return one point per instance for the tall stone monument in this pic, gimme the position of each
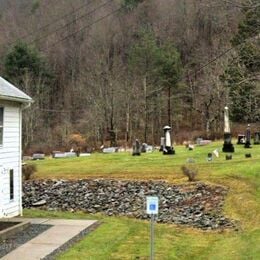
(248, 137)
(228, 146)
(168, 148)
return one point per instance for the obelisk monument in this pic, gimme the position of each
(228, 146)
(168, 148)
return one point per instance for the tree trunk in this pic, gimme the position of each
(145, 110)
(127, 125)
(169, 107)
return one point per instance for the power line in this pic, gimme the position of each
(157, 90)
(112, 13)
(117, 10)
(223, 54)
(194, 72)
(53, 22)
(85, 27)
(67, 24)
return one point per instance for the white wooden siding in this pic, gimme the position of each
(10, 158)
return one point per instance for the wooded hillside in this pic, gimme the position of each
(116, 70)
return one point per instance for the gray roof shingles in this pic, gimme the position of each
(10, 92)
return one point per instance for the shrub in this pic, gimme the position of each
(28, 171)
(77, 142)
(190, 172)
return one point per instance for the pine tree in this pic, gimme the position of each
(243, 72)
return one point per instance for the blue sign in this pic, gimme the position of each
(152, 205)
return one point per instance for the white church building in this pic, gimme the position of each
(12, 102)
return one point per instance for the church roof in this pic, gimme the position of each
(10, 92)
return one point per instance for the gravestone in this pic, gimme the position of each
(229, 157)
(257, 138)
(210, 157)
(149, 148)
(248, 137)
(84, 154)
(136, 148)
(38, 156)
(190, 147)
(70, 154)
(198, 140)
(110, 150)
(58, 154)
(241, 139)
(162, 145)
(202, 142)
(168, 149)
(216, 153)
(144, 147)
(228, 146)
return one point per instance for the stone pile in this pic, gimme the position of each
(198, 205)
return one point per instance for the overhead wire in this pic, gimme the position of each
(193, 73)
(223, 53)
(73, 21)
(53, 22)
(114, 12)
(85, 27)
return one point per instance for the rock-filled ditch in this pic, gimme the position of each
(198, 205)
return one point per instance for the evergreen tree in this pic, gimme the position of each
(242, 74)
(159, 67)
(28, 70)
(169, 72)
(131, 4)
(24, 60)
(143, 59)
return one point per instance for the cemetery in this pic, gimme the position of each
(130, 130)
(199, 185)
(111, 188)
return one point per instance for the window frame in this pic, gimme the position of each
(11, 184)
(2, 126)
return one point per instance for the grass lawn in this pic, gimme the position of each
(123, 238)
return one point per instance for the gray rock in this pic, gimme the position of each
(39, 203)
(127, 198)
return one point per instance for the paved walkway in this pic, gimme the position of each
(63, 230)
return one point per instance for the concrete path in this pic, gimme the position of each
(63, 230)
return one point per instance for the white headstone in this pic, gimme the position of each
(168, 142)
(216, 153)
(226, 121)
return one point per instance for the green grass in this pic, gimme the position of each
(122, 238)
(151, 165)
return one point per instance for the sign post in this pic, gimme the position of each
(152, 209)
